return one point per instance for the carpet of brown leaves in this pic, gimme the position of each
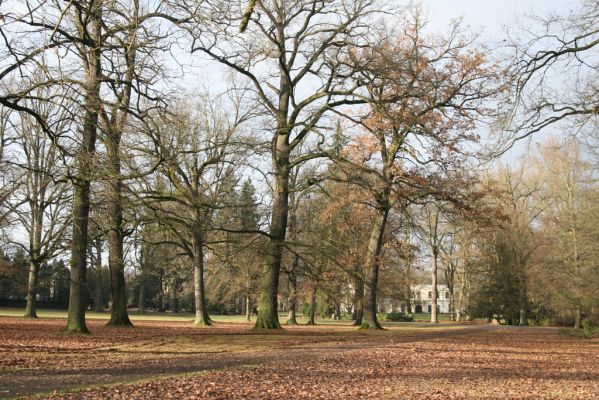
(175, 360)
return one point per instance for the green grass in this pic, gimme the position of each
(149, 316)
(188, 317)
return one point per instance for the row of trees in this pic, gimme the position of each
(100, 145)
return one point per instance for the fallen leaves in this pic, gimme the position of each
(325, 363)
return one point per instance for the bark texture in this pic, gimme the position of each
(375, 244)
(81, 182)
(201, 312)
(312, 316)
(99, 292)
(358, 301)
(268, 317)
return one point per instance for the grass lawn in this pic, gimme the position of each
(182, 317)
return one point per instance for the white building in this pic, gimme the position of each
(422, 298)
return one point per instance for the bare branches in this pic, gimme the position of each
(555, 74)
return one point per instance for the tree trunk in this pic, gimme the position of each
(463, 288)
(118, 313)
(37, 214)
(201, 314)
(248, 308)
(99, 292)
(523, 318)
(292, 320)
(312, 316)
(30, 309)
(434, 318)
(449, 275)
(77, 291)
(268, 317)
(577, 316)
(81, 182)
(116, 126)
(358, 301)
(116, 265)
(337, 312)
(174, 299)
(141, 299)
(375, 244)
(161, 292)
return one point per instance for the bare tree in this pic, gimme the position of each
(41, 202)
(568, 198)
(90, 48)
(427, 95)
(294, 54)
(7, 182)
(432, 214)
(199, 152)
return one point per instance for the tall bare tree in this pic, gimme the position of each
(294, 55)
(199, 151)
(42, 200)
(569, 201)
(427, 95)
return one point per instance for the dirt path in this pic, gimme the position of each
(29, 382)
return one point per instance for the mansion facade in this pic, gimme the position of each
(421, 300)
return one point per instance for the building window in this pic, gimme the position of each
(446, 295)
(430, 295)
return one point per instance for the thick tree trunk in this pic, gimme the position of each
(268, 317)
(35, 255)
(375, 244)
(81, 182)
(118, 314)
(201, 315)
(30, 309)
(116, 265)
(312, 316)
(358, 301)
(99, 292)
(78, 289)
(434, 318)
(292, 319)
(116, 126)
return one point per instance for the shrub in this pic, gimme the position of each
(588, 329)
(399, 317)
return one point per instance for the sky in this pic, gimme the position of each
(490, 17)
(492, 20)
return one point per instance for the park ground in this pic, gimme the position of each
(166, 357)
